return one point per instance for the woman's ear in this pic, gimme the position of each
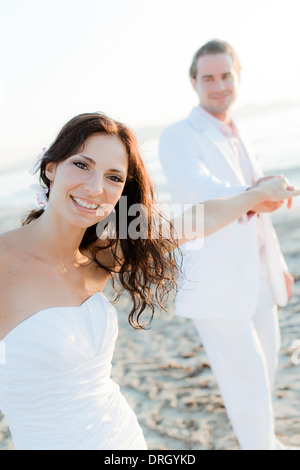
(50, 171)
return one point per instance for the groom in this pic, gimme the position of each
(234, 284)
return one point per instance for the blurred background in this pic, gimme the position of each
(130, 60)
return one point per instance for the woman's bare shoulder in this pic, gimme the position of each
(7, 237)
(4, 241)
(4, 253)
(7, 242)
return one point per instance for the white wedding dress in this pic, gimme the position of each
(55, 387)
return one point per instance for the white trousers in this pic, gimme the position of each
(244, 356)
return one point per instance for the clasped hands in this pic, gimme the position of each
(270, 206)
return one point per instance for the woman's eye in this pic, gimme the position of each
(116, 179)
(81, 165)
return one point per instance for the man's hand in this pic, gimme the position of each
(289, 281)
(270, 206)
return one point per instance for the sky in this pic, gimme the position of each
(130, 60)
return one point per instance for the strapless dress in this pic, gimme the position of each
(56, 390)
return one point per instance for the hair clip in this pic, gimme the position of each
(41, 194)
(35, 167)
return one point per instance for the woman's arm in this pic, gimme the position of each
(217, 213)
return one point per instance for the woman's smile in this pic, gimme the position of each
(84, 205)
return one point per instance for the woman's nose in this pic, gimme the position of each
(94, 185)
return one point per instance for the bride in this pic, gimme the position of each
(57, 327)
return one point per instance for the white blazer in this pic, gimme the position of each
(221, 280)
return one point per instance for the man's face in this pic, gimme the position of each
(216, 83)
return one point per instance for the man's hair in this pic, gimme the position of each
(214, 47)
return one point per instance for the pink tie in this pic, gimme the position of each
(229, 131)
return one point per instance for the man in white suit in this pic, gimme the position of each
(233, 285)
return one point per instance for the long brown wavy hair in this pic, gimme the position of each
(149, 270)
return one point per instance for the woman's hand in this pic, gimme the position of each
(276, 189)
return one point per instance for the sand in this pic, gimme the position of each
(165, 374)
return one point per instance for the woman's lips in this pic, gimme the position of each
(103, 210)
(84, 209)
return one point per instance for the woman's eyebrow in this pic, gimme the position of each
(88, 158)
(113, 170)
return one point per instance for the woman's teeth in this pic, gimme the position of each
(85, 204)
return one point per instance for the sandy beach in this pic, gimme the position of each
(165, 374)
